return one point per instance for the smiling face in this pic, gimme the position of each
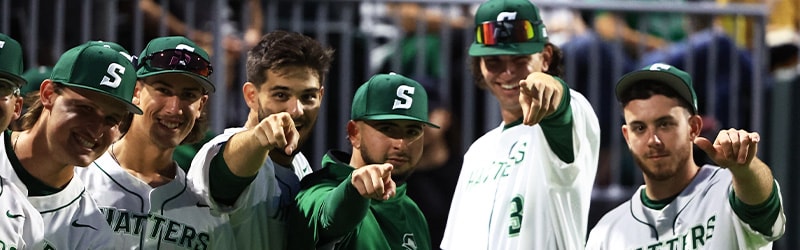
(659, 132)
(397, 142)
(79, 123)
(295, 90)
(502, 74)
(171, 103)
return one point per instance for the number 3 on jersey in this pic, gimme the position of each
(516, 216)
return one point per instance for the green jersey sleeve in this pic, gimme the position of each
(557, 127)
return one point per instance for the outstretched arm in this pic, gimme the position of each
(736, 150)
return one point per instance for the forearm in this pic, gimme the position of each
(557, 127)
(753, 185)
(342, 210)
(244, 155)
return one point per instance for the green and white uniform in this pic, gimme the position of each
(72, 218)
(705, 215)
(258, 216)
(517, 191)
(333, 212)
(171, 216)
(22, 226)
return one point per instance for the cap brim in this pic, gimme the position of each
(14, 78)
(198, 78)
(527, 48)
(386, 117)
(128, 104)
(671, 80)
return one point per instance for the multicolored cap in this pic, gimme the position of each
(99, 69)
(508, 27)
(11, 61)
(667, 74)
(35, 76)
(194, 64)
(391, 97)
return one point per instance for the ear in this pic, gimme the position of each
(250, 94)
(696, 126)
(47, 94)
(137, 92)
(203, 102)
(17, 108)
(354, 134)
(547, 56)
(321, 93)
(625, 133)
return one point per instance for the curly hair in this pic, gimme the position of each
(551, 52)
(281, 49)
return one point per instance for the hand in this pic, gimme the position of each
(732, 149)
(374, 181)
(277, 131)
(539, 95)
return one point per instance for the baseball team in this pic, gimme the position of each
(87, 155)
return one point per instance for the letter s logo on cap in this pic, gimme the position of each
(403, 92)
(660, 67)
(113, 78)
(185, 47)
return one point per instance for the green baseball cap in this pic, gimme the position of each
(673, 77)
(508, 27)
(99, 69)
(10, 61)
(161, 44)
(35, 76)
(373, 100)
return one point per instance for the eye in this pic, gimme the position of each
(190, 95)
(281, 96)
(413, 132)
(309, 98)
(112, 121)
(165, 91)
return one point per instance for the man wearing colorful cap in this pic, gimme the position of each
(252, 173)
(136, 183)
(359, 201)
(24, 228)
(526, 184)
(72, 123)
(736, 205)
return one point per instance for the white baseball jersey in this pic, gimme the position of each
(515, 193)
(259, 215)
(22, 226)
(171, 216)
(71, 218)
(700, 217)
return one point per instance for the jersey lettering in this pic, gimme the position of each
(516, 216)
(404, 92)
(695, 238)
(408, 242)
(500, 169)
(156, 228)
(113, 75)
(4, 246)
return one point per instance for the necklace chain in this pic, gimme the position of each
(15, 141)
(114, 156)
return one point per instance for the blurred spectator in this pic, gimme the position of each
(30, 91)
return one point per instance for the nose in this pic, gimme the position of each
(654, 140)
(172, 105)
(295, 108)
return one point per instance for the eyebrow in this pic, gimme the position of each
(170, 85)
(284, 88)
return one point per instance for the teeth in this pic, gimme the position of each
(509, 86)
(171, 125)
(85, 143)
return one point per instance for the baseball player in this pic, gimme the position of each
(359, 201)
(736, 205)
(256, 169)
(143, 193)
(526, 184)
(86, 97)
(22, 226)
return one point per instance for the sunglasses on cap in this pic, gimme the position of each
(176, 59)
(510, 31)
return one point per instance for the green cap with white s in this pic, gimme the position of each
(100, 69)
(391, 97)
(676, 79)
(10, 61)
(176, 55)
(508, 27)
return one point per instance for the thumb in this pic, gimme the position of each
(705, 145)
